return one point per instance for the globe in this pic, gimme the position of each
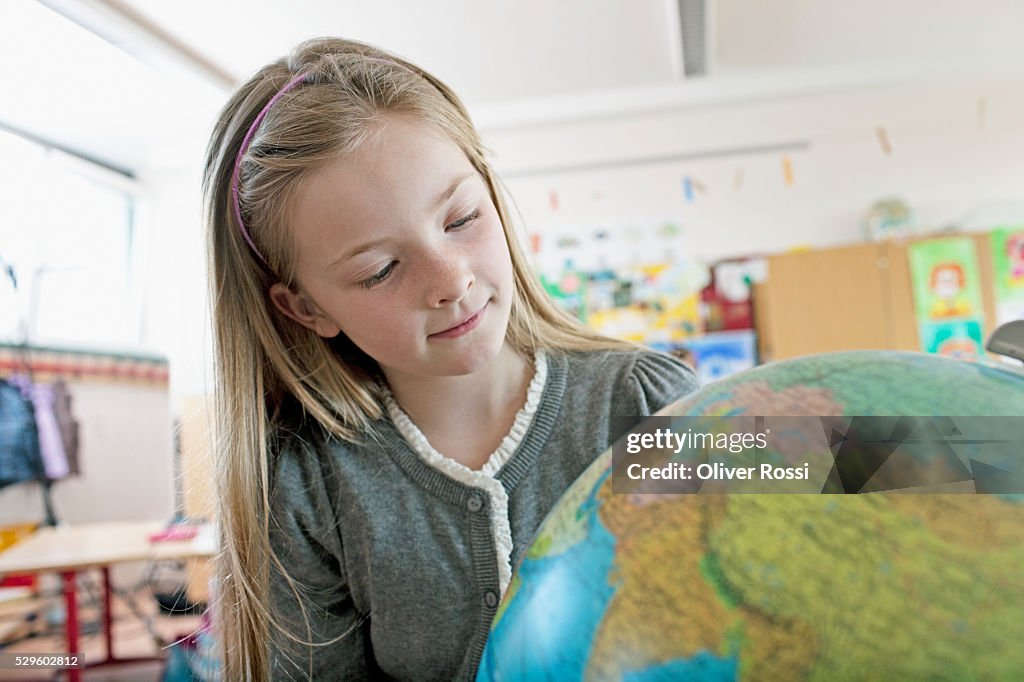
(624, 586)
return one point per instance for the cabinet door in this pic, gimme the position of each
(822, 301)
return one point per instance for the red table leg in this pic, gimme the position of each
(108, 630)
(72, 627)
(108, 616)
(71, 621)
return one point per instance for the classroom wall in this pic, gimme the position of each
(126, 459)
(957, 158)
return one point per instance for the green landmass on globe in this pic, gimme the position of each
(640, 586)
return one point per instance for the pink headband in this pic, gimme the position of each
(238, 163)
(297, 80)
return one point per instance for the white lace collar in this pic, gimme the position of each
(483, 479)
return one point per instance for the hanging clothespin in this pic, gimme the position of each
(883, 140)
(787, 170)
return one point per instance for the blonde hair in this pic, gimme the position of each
(266, 362)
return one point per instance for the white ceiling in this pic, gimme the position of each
(488, 50)
(537, 57)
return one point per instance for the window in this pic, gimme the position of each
(66, 230)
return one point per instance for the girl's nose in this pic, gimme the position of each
(449, 279)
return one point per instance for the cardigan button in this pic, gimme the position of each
(475, 504)
(490, 599)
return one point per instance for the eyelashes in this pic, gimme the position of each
(378, 277)
(462, 222)
(385, 272)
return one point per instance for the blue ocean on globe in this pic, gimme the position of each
(562, 605)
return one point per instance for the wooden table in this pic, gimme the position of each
(73, 548)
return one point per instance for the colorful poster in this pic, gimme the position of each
(726, 298)
(947, 296)
(646, 304)
(961, 339)
(568, 291)
(946, 282)
(722, 354)
(1008, 271)
(633, 281)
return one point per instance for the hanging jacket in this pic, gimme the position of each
(20, 459)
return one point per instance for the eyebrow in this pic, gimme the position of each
(372, 244)
(447, 194)
(362, 248)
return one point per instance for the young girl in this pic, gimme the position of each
(399, 404)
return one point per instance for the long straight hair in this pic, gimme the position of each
(265, 361)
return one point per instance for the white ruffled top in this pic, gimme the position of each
(484, 479)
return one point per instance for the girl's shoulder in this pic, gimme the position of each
(638, 380)
(307, 452)
(641, 363)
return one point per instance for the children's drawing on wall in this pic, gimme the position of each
(653, 304)
(960, 339)
(721, 354)
(947, 296)
(639, 281)
(633, 281)
(727, 300)
(947, 284)
(1015, 255)
(730, 343)
(1008, 268)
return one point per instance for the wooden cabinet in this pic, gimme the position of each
(848, 298)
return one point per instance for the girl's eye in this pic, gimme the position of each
(463, 222)
(379, 277)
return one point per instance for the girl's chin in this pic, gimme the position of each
(472, 361)
(463, 360)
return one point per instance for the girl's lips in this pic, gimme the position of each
(462, 328)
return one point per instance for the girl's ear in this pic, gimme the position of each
(301, 308)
